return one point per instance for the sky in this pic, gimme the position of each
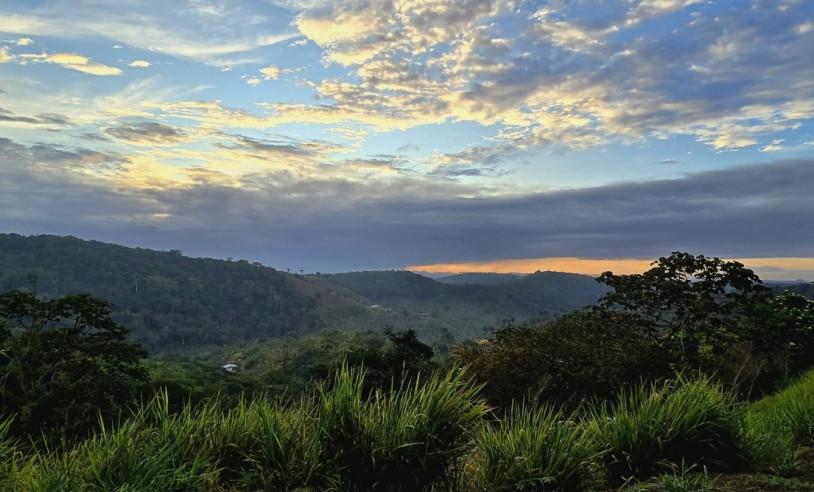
(433, 135)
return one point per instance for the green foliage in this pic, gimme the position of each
(578, 357)
(690, 300)
(686, 479)
(785, 332)
(532, 449)
(406, 440)
(64, 364)
(431, 434)
(167, 300)
(652, 428)
(190, 383)
(788, 415)
(404, 358)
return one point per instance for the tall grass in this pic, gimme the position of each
(409, 439)
(779, 424)
(653, 428)
(287, 451)
(424, 434)
(531, 449)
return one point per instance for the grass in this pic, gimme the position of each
(408, 439)
(434, 433)
(653, 428)
(532, 449)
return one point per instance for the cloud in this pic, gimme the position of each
(5, 57)
(776, 145)
(40, 119)
(320, 221)
(24, 41)
(147, 133)
(73, 61)
(561, 79)
(270, 72)
(253, 81)
(191, 32)
(139, 64)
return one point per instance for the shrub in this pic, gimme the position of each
(654, 428)
(407, 440)
(531, 449)
(581, 356)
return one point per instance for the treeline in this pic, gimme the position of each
(171, 302)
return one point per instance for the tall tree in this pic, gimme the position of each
(689, 300)
(64, 363)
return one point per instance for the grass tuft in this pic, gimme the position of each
(532, 449)
(654, 428)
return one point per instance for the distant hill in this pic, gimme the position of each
(170, 301)
(805, 289)
(539, 294)
(479, 278)
(165, 299)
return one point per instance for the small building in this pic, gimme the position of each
(229, 367)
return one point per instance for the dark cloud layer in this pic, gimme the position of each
(40, 119)
(331, 225)
(147, 133)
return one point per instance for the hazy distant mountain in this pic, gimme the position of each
(538, 294)
(479, 278)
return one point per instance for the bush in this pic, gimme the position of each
(407, 440)
(531, 449)
(655, 428)
(581, 356)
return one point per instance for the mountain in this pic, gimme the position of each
(170, 301)
(539, 294)
(479, 278)
(163, 297)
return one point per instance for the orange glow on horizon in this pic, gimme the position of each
(594, 266)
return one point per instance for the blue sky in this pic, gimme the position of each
(440, 135)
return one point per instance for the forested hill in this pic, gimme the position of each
(170, 301)
(164, 298)
(479, 278)
(539, 294)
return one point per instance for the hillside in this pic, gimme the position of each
(479, 278)
(170, 301)
(165, 299)
(538, 294)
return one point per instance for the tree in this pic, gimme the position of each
(583, 355)
(784, 333)
(64, 363)
(689, 300)
(405, 357)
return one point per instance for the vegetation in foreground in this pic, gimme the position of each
(431, 434)
(648, 389)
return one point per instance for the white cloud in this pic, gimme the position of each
(253, 81)
(270, 72)
(139, 64)
(804, 28)
(73, 61)
(149, 25)
(776, 145)
(24, 41)
(5, 57)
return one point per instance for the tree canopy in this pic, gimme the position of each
(64, 363)
(689, 300)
